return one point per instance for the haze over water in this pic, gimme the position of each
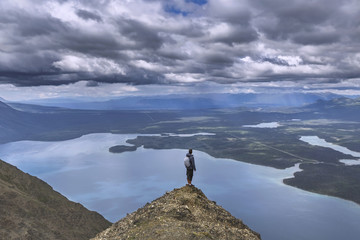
(85, 171)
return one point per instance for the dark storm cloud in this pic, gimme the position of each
(300, 21)
(172, 55)
(38, 78)
(238, 35)
(276, 61)
(26, 25)
(92, 83)
(89, 43)
(217, 59)
(316, 38)
(88, 15)
(142, 35)
(134, 77)
(57, 42)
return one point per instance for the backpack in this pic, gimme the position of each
(187, 162)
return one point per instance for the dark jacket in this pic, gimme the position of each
(192, 161)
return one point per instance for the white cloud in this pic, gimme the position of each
(150, 66)
(224, 41)
(291, 60)
(89, 64)
(220, 30)
(184, 78)
(341, 92)
(75, 90)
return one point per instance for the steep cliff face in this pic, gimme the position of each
(31, 209)
(183, 213)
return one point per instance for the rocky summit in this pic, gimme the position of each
(31, 209)
(184, 213)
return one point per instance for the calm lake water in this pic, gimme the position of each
(264, 125)
(85, 171)
(316, 141)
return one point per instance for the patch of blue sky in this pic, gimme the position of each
(174, 10)
(198, 2)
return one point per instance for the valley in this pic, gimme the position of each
(278, 147)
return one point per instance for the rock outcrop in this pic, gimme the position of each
(183, 213)
(31, 209)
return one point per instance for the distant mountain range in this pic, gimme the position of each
(338, 108)
(190, 101)
(23, 121)
(13, 123)
(341, 102)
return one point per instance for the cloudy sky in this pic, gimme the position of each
(67, 48)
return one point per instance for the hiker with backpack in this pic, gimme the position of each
(189, 162)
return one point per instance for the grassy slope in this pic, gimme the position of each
(31, 209)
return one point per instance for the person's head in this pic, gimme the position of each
(190, 151)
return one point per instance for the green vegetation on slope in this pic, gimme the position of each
(332, 180)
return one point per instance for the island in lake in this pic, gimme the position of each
(122, 148)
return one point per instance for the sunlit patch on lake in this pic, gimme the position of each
(316, 141)
(187, 135)
(350, 162)
(264, 125)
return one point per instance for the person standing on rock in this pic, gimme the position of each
(189, 162)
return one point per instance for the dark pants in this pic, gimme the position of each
(189, 174)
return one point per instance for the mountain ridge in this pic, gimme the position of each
(189, 101)
(31, 209)
(184, 213)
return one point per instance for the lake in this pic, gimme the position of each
(264, 125)
(316, 141)
(85, 171)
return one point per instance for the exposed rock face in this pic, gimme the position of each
(183, 213)
(31, 209)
